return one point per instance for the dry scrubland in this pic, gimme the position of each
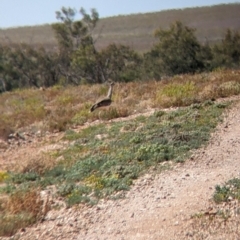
(91, 156)
(160, 122)
(59, 108)
(137, 30)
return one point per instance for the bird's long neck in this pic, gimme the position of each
(110, 92)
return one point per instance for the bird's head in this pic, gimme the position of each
(111, 83)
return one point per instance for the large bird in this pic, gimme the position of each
(105, 101)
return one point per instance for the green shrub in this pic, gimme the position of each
(230, 189)
(177, 94)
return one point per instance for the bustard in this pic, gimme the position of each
(105, 101)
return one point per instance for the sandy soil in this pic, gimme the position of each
(158, 206)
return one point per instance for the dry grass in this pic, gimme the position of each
(37, 165)
(22, 208)
(24, 201)
(59, 108)
(21, 108)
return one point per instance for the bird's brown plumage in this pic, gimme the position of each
(105, 101)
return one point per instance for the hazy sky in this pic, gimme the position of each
(34, 12)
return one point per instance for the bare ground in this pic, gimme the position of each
(158, 206)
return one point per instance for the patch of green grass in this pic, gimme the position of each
(177, 94)
(86, 133)
(102, 161)
(24, 177)
(100, 149)
(78, 196)
(229, 189)
(111, 164)
(7, 188)
(3, 176)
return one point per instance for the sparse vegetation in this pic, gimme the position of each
(22, 208)
(177, 94)
(229, 191)
(59, 108)
(3, 176)
(102, 161)
(223, 214)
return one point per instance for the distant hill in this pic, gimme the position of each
(137, 30)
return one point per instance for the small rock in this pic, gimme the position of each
(3, 144)
(230, 198)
